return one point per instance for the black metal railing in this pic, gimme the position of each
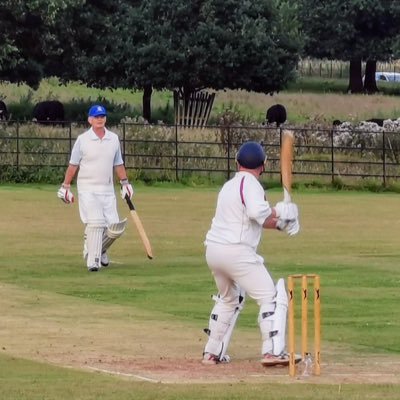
(172, 152)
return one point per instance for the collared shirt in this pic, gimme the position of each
(96, 159)
(240, 213)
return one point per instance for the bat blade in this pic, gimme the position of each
(286, 163)
(139, 227)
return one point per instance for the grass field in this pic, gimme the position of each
(134, 330)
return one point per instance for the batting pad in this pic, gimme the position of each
(273, 323)
(94, 244)
(113, 232)
(228, 333)
(219, 323)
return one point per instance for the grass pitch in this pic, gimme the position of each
(134, 330)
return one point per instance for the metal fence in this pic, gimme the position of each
(164, 152)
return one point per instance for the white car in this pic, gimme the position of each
(387, 76)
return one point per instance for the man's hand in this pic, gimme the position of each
(126, 188)
(281, 224)
(286, 211)
(65, 194)
(293, 227)
(288, 217)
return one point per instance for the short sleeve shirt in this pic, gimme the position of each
(96, 159)
(241, 211)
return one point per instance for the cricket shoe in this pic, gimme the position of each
(225, 359)
(93, 268)
(212, 359)
(270, 360)
(104, 260)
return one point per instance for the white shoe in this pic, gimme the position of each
(269, 360)
(210, 359)
(104, 259)
(93, 268)
(225, 359)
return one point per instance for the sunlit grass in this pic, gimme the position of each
(140, 308)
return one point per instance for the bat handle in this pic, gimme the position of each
(286, 196)
(129, 202)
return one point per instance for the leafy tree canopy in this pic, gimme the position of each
(26, 29)
(189, 44)
(348, 29)
(162, 44)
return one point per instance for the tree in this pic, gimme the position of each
(351, 30)
(188, 45)
(232, 44)
(174, 44)
(27, 37)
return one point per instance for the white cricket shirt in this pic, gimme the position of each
(96, 159)
(240, 213)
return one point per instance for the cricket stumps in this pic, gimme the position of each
(304, 321)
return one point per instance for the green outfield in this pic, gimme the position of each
(134, 329)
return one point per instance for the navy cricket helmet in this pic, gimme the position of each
(251, 155)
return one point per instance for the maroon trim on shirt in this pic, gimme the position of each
(241, 191)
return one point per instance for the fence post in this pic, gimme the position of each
(124, 141)
(280, 152)
(229, 152)
(384, 158)
(176, 151)
(17, 145)
(332, 160)
(70, 137)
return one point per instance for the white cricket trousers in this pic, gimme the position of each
(238, 265)
(98, 208)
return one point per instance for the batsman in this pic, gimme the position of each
(96, 156)
(241, 214)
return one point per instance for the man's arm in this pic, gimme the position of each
(126, 187)
(284, 216)
(271, 221)
(70, 174)
(121, 172)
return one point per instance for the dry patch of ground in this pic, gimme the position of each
(135, 344)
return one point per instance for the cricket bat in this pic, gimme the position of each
(286, 163)
(139, 227)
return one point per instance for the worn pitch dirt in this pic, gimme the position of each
(134, 344)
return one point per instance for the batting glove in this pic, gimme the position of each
(65, 194)
(293, 227)
(126, 188)
(286, 211)
(281, 224)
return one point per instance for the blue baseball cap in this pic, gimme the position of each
(97, 110)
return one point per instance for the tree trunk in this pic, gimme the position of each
(147, 91)
(355, 79)
(369, 81)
